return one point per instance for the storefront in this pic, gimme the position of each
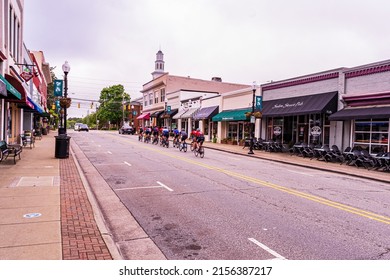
(204, 118)
(168, 120)
(12, 116)
(234, 124)
(370, 126)
(156, 120)
(303, 119)
(144, 120)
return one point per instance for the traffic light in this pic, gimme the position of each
(53, 106)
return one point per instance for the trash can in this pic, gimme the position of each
(62, 146)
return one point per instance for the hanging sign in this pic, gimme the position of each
(58, 87)
(27, 75)
(259, 103)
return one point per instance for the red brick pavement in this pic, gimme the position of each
(81, 238)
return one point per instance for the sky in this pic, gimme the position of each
(115, 42)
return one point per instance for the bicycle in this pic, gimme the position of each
(176, 143)
(147, 139)
(192, 146)
(155, 140)
(165, 142)
(183, 146)
(199, 151)
(140, 137)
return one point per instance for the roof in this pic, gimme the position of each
(176, 83)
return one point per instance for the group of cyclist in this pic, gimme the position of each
(179, 136)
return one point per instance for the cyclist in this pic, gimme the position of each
(147, 134)
(183, 144)
(199, 139)
(141, 132)
(155, 135)
(165, 135)
(183, 135)
(176, 133)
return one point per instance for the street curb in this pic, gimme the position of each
(129, 241)
(114, 251)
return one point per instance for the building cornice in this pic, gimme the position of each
(367, 70)
(301, 81)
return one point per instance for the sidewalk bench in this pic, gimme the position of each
(9, 150)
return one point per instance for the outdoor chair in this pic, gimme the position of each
(27, 139)
(334, 155)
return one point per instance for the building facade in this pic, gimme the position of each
(166, 95)
(24, 76)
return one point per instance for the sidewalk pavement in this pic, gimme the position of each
(48, 211)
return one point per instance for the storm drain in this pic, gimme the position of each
(39, 181)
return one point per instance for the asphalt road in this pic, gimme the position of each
(230, 207)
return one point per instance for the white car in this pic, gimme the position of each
(77, 126)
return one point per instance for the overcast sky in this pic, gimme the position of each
(241, 41)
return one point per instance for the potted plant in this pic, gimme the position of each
(65, 102)
(224, 141)
(215, 139)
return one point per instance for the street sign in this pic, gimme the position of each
(58, 87)
(259, 103)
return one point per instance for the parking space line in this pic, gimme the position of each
(269, 250)
(160, 185)
(164, 186)
(129, 164)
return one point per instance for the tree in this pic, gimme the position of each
(112, 100)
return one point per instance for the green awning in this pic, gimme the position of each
(11, 89)
(232, 115)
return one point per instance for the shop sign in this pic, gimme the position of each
(277, 130)
(287, 105)
(26, 75)
(315, 131)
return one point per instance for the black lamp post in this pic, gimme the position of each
(252, 120)
(66, 69)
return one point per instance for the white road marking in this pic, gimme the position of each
(129, 164)
(302, 173)
(269, 250)
(164, 186)
(108, 152)
(160, 185)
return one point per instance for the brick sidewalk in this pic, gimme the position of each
(81, 238)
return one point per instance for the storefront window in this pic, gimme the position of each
(372, 135)
(206, 127)
(232, 130)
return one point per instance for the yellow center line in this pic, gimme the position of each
(314, 198)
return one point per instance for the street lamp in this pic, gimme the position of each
(66, 69)
(253, 120)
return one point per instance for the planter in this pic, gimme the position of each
(65, 102)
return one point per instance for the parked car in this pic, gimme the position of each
(83, 127)
(77, 126)
(126, 130)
